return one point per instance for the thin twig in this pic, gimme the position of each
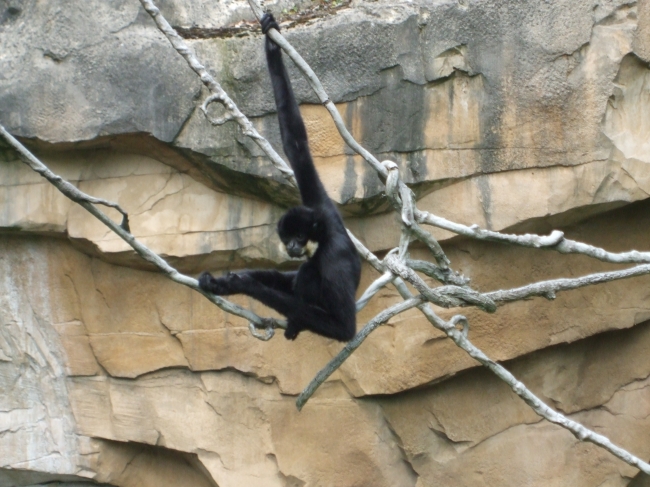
(373, 289)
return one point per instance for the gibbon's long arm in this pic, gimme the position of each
(292, 128)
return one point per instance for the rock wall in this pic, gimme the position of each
(518, 115)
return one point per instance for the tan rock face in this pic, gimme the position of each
(526, 117)
(470, 418)
(246, 428)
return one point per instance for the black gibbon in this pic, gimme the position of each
(320, 295)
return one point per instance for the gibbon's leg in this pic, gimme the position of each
(281, 281)
(300, 315)
(317, 321)
(223, 286)
(274, 289)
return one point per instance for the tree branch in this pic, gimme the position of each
(218, 93)
(542, 409)
(548, 289)
(352, 345)
(87, 202)
(443, 296)
(555, 241)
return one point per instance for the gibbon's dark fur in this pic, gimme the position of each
(320, 296)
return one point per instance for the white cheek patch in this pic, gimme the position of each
(311, 247)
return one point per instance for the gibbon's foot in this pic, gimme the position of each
(269, 22)
(218, 287)
(238, 283)
(291, 333)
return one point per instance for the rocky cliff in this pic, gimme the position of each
(510, 114)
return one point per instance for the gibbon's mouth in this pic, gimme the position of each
(296, 252)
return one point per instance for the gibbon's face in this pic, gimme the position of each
(296, 230)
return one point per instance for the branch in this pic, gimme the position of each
(542, 409)
(403, 200)
(373, 289)
(548, 289)
(218, 93)
(87, 202)
(444, 276)
(460, 339)
(444, 296)
(352, 345)
(61, 184)
(554, 241)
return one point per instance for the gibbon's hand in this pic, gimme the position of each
(269, 22)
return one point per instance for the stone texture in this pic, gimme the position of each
(525, 116)
(239, 427)
(479, 433)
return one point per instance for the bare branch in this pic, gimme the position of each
(554, 241)
(461, 340)
(444, 296)
(215, 88)
(61, 184)
(548, 289)
(87, 202)
(373, 289)
(446, 276)
(403, 200)
(351, 346)
(579, 431)
(377, 264)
